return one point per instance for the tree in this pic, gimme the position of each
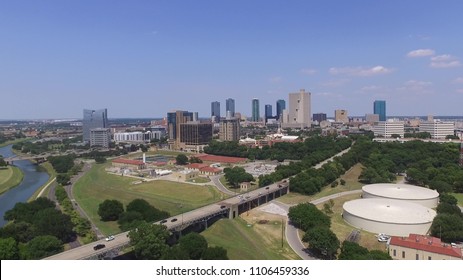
(353, 251)
(194, 244)
(41, 247)
(307, 216)
(195, 160)
(52, 222)
(63, 179)
(2, 162)
(215, 253)
(322, 241)
(21, 231)
(149, 212)
(109, 210)
(448, 227)
(8, 249)
(149, 241)
(176, 253)
(236, 175)
(129, 220)
(181, 159)
(100, 159)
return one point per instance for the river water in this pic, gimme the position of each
(34, 178)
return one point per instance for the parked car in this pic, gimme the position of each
(174, 220)
(163, 221)
(99, 246)
(110, 237)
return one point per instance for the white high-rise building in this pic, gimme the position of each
(438, 129)
(298, 113)
(389, 128)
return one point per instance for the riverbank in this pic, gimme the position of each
(10, 177)
(12, 142)
(46, 166)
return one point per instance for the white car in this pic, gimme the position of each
(109, 238)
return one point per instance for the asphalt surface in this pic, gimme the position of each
(216, 180)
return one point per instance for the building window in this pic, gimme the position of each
(429, 258)
(394, 253)
(417, 257)
(403, 254)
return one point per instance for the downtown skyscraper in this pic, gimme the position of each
(379, 108)
(230, 107)
(281, 105)
(255, 110)
(215, 111)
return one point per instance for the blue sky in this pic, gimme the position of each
(145, 58)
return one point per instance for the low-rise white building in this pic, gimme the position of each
(100, 137)
(438, 129)
(137, 136)
(389, 128)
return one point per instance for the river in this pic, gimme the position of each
(34, 178)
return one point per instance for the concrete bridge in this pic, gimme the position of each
(37, 159)
(195, 220)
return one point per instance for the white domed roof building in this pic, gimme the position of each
(392, 217)
(403, 192)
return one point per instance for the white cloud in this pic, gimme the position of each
(421, 53)
(417, 87)
(360, 71)
(458, 80)
(444, 61)
(308, 71)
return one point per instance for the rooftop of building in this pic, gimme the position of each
(426, 243)
(222, 159)
(400, 191)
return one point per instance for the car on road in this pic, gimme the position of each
(163, 221)
(383, 237)
(174, 220)
(99, 246)
(110, 237)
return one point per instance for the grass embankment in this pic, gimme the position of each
(173, 197)
(52, 173)
(199, 180)
(10, 142)
(10, 177)
(459, 197)
(252, 242)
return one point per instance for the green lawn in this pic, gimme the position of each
(459, 197)
(10, 177)
(200, 180)
(173, 197)
(243, 242)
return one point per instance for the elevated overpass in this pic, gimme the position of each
(198, 219)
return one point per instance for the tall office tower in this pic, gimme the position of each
(215, 111)
(195, 134)
(174, 120)
(379, 108)
(229, 130)
(93, 119)
(298, 113)
(319, 117)
(255, 110)
(281, 105)
(230, 107)
(268, 112)
(341, 116)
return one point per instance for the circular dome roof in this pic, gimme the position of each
(389, 211)
(400, 191)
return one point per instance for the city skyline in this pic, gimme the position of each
(148, 59)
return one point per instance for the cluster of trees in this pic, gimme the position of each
(65, 167)
(39, 147)
(182, 159)
(237, 175)
(2, 162)
(314, 149)
(448, 223)
(17, 135)
(36, 230)
(137, 212)
(425, 164)
(322, 241)
(150, 242)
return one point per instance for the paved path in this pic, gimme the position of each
(220, 186)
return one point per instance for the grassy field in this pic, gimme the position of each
(352, 183)
(10, 177)
(173, 197)
(200, 180)
(459, 197)
(249, 241)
